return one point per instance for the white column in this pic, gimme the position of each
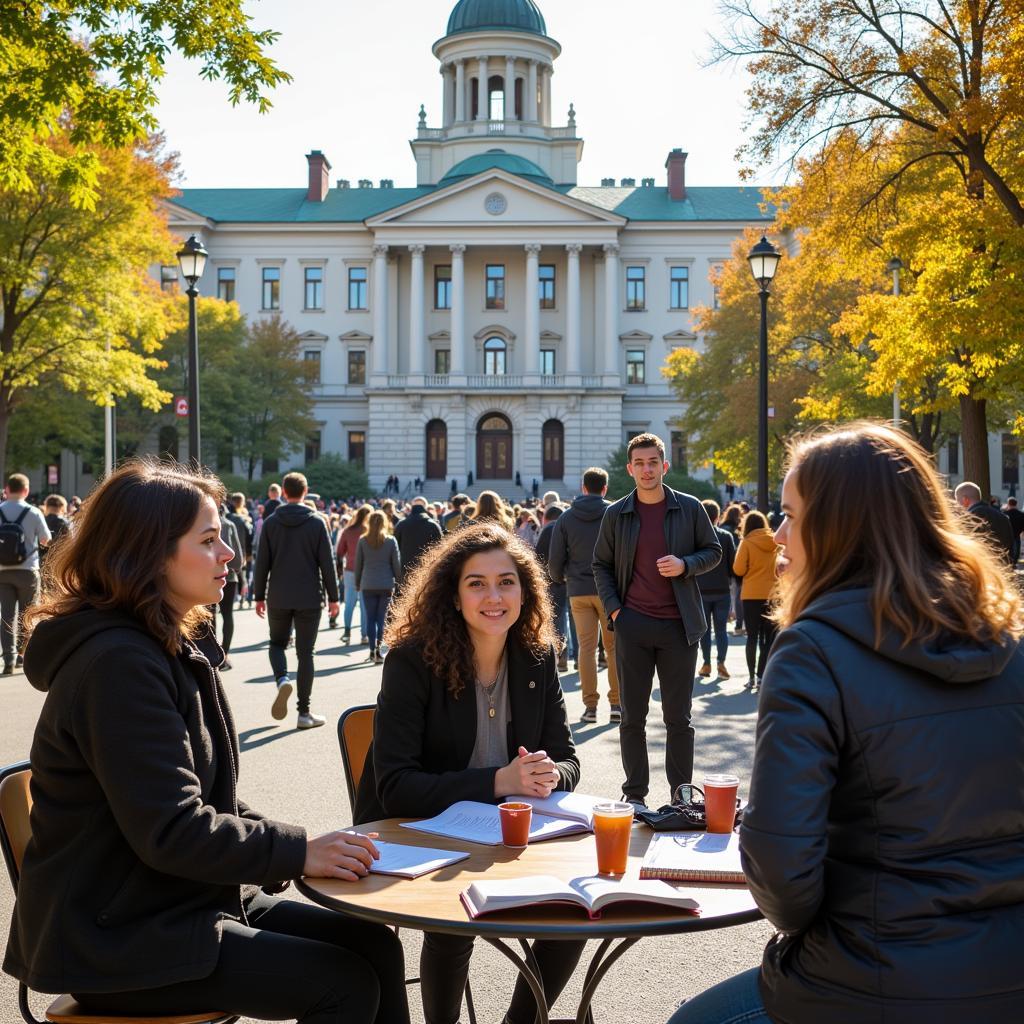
(446, 95)
(510, 89)
(545, 94)
(380, 309)
(460, 90)
(482, 104)
(417, 323)
(531, 93)
(458, 327)
(531, 347)
(611, 309)
(572, 310)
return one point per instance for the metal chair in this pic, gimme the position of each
(15, 832)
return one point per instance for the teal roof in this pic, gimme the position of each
(481, 15)
(496, 158)
(702, 202)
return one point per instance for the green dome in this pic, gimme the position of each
(496, 158)
(480, 15)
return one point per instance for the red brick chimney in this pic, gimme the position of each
(319, 177)
(676, 164)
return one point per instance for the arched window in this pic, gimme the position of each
(495, 357)
(494, 448)
(553, 438)
(496, 98)
(437, 450)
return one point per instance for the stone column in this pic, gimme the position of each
(572, 311)
(611, 309)
(417, 323)
(545, 94)
(531, 345)
(446, 96)
(380, 309)
(531, 93)
(482, 105)
(458, 321)
(510, 89)
(460, 90)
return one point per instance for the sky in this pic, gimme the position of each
(636, 72)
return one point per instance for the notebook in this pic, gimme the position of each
(411, 861)
(693, 857)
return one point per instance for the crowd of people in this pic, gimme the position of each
(881, 836)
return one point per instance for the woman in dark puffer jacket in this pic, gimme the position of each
(884, 837)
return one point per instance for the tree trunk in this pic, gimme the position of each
(974, 433)
(5, 429)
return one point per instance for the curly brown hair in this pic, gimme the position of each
(425, 616)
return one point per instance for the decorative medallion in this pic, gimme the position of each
(495, 204)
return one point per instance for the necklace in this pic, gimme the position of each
(488, 689)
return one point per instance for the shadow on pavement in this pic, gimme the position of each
(251, 738)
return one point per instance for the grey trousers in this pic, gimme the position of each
(19, 588)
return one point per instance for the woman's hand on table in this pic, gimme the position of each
(345, 855)
(528, 774)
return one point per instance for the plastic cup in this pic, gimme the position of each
(515, 823)
(720, 802)
(613, 824)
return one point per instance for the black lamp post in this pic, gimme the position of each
(192, 261)
(764, 260)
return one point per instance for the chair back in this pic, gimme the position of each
(15, 806)
(355, 734)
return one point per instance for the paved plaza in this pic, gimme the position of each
(297, 777)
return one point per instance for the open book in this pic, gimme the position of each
(592, 894)
(411, 861)
(693, 857)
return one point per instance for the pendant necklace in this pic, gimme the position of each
(488, 689)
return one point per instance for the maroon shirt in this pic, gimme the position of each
(649, 592)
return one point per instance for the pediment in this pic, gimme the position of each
(178, 215)
(636, 336)
(680, 337)
(550, 336)
(493, 330)
(440, 336)
(356, 336)
(312, 336)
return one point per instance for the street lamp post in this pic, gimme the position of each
(192, 261)
(894, 266)
(764, 260)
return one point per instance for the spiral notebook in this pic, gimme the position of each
(693, 857)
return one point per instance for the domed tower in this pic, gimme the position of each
(496, 61)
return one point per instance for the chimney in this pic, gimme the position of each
(607, 182)
(676, 164)
(319, 177)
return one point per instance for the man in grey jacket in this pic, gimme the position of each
(295, 553)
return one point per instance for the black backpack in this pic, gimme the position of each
(13, 549)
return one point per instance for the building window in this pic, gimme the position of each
(679, 288)
(168, 278)
(716, 291)
(495, 352)
(357, 366)
(314, 288)
(679, 451)
(442, 287)
(312, 446)
(271, 288)
(311, 357)
(358, 288)
(547, 362)
(635, 359)
(636, 288)
(546, 274)
(226, 284)
(495, 286)
(357, 448)
(442, 361)
(953, 455)
(1011, 462)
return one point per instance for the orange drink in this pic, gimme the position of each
(720, 802)
(515, 823)
(613, 824)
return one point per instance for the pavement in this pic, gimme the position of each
(296, 776)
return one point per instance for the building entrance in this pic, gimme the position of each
(494, 448)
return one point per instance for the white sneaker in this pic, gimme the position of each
(279, 709)
(310, 721)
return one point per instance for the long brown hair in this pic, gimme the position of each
(376, 529)
(114, 555)
(425, 615)
(359, 519)
(490, 508)
(876, 515)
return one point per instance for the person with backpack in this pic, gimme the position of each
(55, 513)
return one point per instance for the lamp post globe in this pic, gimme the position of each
(192, 263)
(764, 261)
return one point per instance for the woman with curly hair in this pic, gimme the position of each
(470, 708)
(491, 509)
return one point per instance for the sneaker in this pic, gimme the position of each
(364, 640)
(332, 623)
(563, 663)
(279, 709)
(8, 669)
(615, 715)
(378, 658)
(310, 721)
(723, 672)
(589, 715)
(757, 683)
(346, 637)
(371, 658)
(705, 670)
(739, 631)
(19, 661)
(751, 683)
(225, 665)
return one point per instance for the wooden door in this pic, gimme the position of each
(437, 450)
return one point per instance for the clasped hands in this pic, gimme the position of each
(526, 775)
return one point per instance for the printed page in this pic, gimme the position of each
(481, 823)
(562, 804)
(510, 893)
(412, 861)
(599, 892)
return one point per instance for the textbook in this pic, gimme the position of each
(693, 857)
(411, 861)
(591, 893)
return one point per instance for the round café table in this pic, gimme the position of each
(431, 902)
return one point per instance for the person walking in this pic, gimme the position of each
(273, 502)
(295, 556)
(1016, 517)
(568, 644)
(527, 529)
(715, 597)
(756, 564)
(23, 531)
(378, 570)
(347, 557)
(232, 585)
(414, 534)
(652, 545)
(453, 519)
(55, 510)
(571, 562)
(732, 522)
(239, 515)
(990, 521)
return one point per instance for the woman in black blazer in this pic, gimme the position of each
(470, 708)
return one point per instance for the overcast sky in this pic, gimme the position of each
(635, 70)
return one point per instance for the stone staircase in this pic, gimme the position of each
(440, 490)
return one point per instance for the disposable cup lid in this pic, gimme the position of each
(721, 780)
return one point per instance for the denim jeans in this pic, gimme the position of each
(736, 1001)
(716, 611)
(351, 596)
(564, 626)
(376, 603)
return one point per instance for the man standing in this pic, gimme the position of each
(415, 533)
(716, 598)
(295, 552)
(1016, 517)
(571, 562)
(273, 502)
(453, 520)
(568, 646)
(997, 526)
(23, 531)
(651, 546)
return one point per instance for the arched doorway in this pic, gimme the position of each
(437, 450)
(553, 436)
(494, 448)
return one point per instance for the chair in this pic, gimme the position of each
(15, 832)
(355, 734)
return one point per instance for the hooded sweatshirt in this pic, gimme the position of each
(755, 563)
(572, 545)
(295, 554)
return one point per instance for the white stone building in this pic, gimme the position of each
(499, 319)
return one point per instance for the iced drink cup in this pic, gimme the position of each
(613, 823)
(515, 823)
(720, 802)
